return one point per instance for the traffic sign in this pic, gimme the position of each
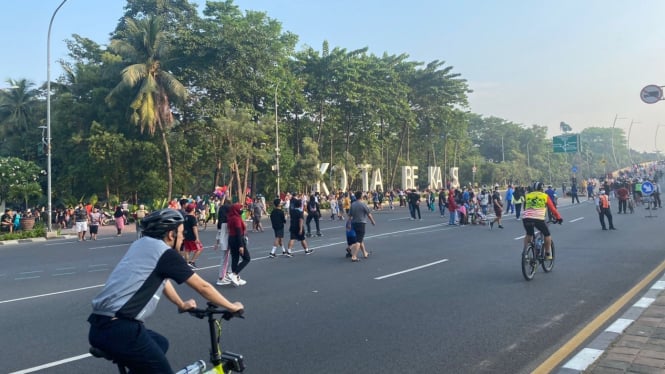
(566, 143)
(647, 188)
(651, 94)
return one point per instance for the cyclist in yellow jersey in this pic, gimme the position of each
(536, 204)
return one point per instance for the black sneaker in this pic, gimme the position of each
(287, 254)
(308, 251)
(193, 265)
(271, 255)
(319, 234)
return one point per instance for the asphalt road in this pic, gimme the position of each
(430, 299)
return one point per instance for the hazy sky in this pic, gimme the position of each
(528, 61)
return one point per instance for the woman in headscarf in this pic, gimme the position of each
(237, 243)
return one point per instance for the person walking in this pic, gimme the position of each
(603, 209)
(192, 246)
(297, 229)
(622, 194)
(360, 213)
(313, 213)
(573, 194)
(95, 221)
(237, 244)
(277, 220)
(518, 201)
(414, 204)
(81, 216)
(498, 208)
(509, 199)
(119, 217)
(222, 241)
(442, 202)
(452, 208)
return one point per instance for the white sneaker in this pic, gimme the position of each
(241, 282)
(235, 280)
(224, 281)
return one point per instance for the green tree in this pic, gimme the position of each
(144, 47)
(19, 108)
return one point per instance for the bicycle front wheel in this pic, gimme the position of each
(548, 265)
(529, 262)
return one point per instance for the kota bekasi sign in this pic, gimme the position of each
(372, 180)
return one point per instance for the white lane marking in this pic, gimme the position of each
(619, 325)
(398, 219)
(660, 285)
(519, 237)
(576, 219)
(61, 274)
(412, 269)
(110, 246)
(52, 364)
(67, 268)
(583, 359)
(24, 278)
(31, 272)
(644, 302)
(50, 294)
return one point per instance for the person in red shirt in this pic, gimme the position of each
(623, 195)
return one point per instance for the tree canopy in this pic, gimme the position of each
(215, 83)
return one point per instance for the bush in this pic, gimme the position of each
(37, 232)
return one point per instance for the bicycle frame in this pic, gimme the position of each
(223, 362)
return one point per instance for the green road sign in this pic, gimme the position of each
(566, 143)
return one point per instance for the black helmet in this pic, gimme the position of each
(537, 186)
(156, 224)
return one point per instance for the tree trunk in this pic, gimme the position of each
(169, 167)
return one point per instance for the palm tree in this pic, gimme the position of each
(18, 106)
(143, 46)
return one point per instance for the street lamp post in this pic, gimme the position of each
(616, 117)
(630, 156)
(48, 117)
(277, 143)
(655, 141)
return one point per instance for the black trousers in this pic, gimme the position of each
(130, 343)
(605, 212)
(315, 217)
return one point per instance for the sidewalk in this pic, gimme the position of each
(634, 343)
(108, 230)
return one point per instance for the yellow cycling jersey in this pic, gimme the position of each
(535, 205)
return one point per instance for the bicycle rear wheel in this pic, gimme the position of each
(529, 262)
(548, 265)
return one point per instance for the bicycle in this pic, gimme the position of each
(534, 255)
(222, 362)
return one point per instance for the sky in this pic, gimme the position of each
(539, 62)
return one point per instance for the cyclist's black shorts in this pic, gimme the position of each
(530, 223)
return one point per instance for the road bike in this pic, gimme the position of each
(223, 362)
(534, 255)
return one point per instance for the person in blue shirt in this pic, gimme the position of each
(510, 207)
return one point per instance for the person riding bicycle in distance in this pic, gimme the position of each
(133, 289)
(536, 204)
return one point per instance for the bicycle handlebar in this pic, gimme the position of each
(213, 309)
